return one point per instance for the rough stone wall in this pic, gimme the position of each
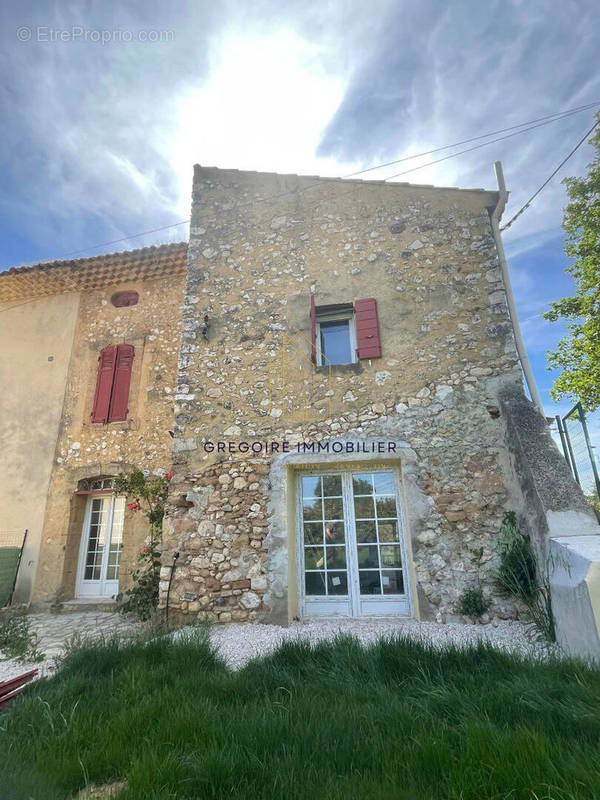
(427, 255)
(85, 449)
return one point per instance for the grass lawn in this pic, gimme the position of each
(335, 720)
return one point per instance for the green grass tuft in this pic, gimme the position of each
(397, 719)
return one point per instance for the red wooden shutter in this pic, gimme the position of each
(104, 382)
(368, 341)
(313, 329)
(119, 402)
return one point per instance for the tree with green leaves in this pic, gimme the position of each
(578, 353)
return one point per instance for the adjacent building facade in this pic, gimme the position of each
(339, 447)
(88, 361)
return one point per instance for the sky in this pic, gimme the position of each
(107, 106)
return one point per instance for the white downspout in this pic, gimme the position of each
(510, 298)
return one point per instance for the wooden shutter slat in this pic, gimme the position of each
(313, 329)
(368, 339)
(104, 382)
(119, 403)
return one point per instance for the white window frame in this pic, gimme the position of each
(84, 588)
(354, 605)
(340, 316)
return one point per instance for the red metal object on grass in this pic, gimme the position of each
(12, 687)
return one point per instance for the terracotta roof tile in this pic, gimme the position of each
(84, 274)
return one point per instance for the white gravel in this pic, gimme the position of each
(237, 644)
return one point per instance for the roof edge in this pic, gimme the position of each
(359, 181)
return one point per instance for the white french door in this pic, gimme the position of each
(351, 550)
(101, 546)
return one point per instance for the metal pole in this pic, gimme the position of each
(579, 408)
(563, 441)
(12, 591)
(510, 299)
(573, 464)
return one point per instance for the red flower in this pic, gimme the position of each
(134, 506)
(144, 551)
(170, 475)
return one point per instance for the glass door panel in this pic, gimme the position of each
(101, 546)
(324, 556)
(351, 558)
(378, 545)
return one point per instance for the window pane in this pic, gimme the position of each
(367, 556)
(362, 484)
(313, 533)
(315, 583)
(386, 506)
(365, 532)
(334, 533)
(369, 582)
(392, 581)
(390, 555)
(384, 483)
(311, 486)
(337, 583)
(363, 507)
(116, 540)
(332, 485)
(388, 530)
(336, 558)
(335, 341)
(334, 509)
(311, 508)
(314, 558)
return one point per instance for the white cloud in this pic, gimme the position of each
(264, 106)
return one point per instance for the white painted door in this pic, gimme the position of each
(101, 546)
(352, 553)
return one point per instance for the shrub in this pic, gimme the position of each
(473, 603)
(518, 576)
(17, 640)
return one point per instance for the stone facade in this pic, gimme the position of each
(260, 246)
(83, 450)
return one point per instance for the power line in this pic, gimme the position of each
(354, 185)
(123, 239)
(557, 115)
(547, 181)
(541, 122)
(469, 149)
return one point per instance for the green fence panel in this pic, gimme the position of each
(9, 562)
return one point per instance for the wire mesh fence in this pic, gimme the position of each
(11, 549)
(578, 449)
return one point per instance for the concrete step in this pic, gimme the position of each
(88, 604)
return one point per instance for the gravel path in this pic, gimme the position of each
(55, 630)
(240, 643)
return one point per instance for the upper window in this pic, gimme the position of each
(336, 337)
(123, 299)
(344, 332)
(111, 399)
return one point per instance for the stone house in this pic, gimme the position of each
(88, 359)
(337, 365)
(339, 443)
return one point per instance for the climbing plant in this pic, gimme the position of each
(148, 495)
